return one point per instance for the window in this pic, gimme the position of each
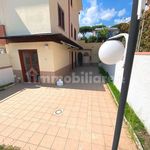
(61, 17)
(71, 30)
(71, 2)
(75, 34)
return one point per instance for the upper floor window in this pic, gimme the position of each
(61, 18)
(75, 34)
(71, 30)
(71, 2)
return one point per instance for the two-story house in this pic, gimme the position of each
(40, 36)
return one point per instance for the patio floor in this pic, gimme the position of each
(87, 122)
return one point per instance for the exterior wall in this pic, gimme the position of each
(2, 33)
(94, 47)
(25, 17)
(40, 16)
(138, 96)
(74, 16)
(53, 58)
(86, 59)
(54, 16)
(74, 13)
(6, 72)
(61, 56)
(44, 55)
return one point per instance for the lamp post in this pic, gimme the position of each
(137, 11)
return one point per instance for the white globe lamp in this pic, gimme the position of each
(113, 50)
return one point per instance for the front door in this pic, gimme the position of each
(30, 65)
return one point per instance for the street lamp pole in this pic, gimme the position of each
(133, 35)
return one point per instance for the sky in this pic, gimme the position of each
(107, 12)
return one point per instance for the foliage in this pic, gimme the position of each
(84, 38)
(103, 34)
(123, 27)
(92, 39)
(4, 147)
(83, 30)
(130, 115)
(145, 40)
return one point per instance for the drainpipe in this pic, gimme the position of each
(133, 35)
(69, 18)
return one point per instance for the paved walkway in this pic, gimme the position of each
(27, 117)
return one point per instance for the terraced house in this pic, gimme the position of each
(40, 36)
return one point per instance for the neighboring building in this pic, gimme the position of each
(40, 35)
(111, 31)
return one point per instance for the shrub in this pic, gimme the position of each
(92, 39)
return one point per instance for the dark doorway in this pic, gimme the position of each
(80, 59)
(75, 59)
(72, 60)
(30, 65)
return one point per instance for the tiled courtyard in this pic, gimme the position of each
(87, 122)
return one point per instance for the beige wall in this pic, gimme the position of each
(51, 58)
(94, 47)
(25, 16)
(44, 55)
(38, 16)
(4, 60)
(74, 16)
(74, 19)
(54, 16)
(60, 56)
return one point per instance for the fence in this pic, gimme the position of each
(139, 89)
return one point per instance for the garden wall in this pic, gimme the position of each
(94, 47)
(6, 72)
(139, 90)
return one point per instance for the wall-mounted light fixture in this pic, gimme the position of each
(112, 51)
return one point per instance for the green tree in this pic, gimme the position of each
(145, 37)
(92, 39)
(103, 34)
(84, 29)
(123, 27)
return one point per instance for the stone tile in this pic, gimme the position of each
(98, 139)
(53, 130)
(97, 147)
(86, 136)
(16, 134)
(8, 141)
(87, 122)
(63, 132)
(85, 146)
(47, 141)
(7, 131)
(41, 148)
(59, 143)
(43, 128)
(74, 134)
(29, 147)
(33, 126)
(19, 144)
(71, 144)
(36, 138)
(26, 136)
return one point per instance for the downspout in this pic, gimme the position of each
(69, 18)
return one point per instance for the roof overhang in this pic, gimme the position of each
(58, 38)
